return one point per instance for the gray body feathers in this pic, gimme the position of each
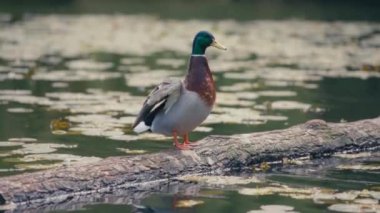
(170, 107)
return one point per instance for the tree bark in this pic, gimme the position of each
(314, 139)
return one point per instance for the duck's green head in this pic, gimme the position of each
(202, 40)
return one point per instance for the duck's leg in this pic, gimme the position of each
(177, 144)
(186, 140)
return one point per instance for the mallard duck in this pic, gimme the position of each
(175, 107)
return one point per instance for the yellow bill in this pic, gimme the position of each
(218, 45)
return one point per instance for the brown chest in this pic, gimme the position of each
(199, 79)
(205, 89)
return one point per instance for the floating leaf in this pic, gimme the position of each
(321, 197)
(347, 196)
(124, 137)
(88, 65)
(59, 132)
(281, 190)
(346, 207)
(297, 196)
(289, 105)
(20, 110)
(10, 143)
(132, 151)
(37, 148)
(258, 191)
(375, 194)
(60, 124)
(366, 201)
(187, 203)
(15, 92)
(242, 86)
(74, 75)
(264, 166)
(59, 84)
(274, 209)
(22, 140)
(358, 167)
(275, 93)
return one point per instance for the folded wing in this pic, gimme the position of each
(162, 98)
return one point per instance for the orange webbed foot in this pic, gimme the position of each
(187, 141)
(178, 145)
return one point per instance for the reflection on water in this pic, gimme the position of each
(69, 95)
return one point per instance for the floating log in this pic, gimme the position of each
(314, 139)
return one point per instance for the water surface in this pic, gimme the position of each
(70, 95)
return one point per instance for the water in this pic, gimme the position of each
(70, 95)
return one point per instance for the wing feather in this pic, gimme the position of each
(164, 96)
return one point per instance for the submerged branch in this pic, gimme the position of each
(314, 139)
